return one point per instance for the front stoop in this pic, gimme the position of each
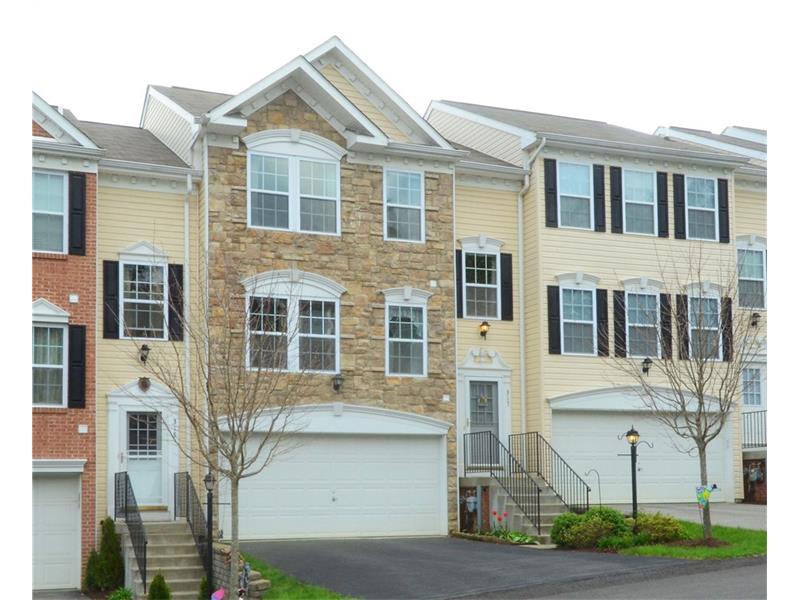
(550, 504)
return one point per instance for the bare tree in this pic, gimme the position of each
(238, 390)
(686, 346)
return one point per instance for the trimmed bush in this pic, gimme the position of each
(122, 594)
(110, 568)
(205, 592)
(90, 578)
(561, 532)
(589, 529)
(659, 528)
(589, 532)
(608, 515)
(159, 589)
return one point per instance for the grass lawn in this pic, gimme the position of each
(287, 587)
(742, 542)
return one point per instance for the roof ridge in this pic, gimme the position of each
(530, 112)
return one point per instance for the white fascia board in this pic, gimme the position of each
(45, 146)
(58, 465)
(176, 108)
(63, 123)
(476, 168)
(334, 43)
(704, 141)
(745, 134)
(526, 137)
(126, 166)
(409, 150)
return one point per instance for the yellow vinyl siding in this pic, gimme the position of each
(125, 217)
(751, 212)
(492, 213)
(371, 111)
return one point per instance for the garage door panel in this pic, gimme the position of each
(56, 532)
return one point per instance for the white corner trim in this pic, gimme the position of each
(143, 252)
(642, 284)
(58, 465)
(289, 138)
(406, 295)
(45, 311)
(578, 279)
(481, 243)
(293, 280)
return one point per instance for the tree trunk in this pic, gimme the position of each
(233, 579)
(701, 451)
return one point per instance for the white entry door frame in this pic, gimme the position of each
(129, 399)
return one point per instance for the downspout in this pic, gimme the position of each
(523, 405)
(459, 457)
(186, 308)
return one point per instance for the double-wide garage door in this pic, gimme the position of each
(56, 532)
(329, 485)
(588, 440)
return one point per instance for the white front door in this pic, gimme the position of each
(144, 457)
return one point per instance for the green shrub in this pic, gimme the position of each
(205, 591)
(615, 542)
(608, 515)
(122, 594)
(110, 568)
(158, 589)
(589, 532)
(659, 528)
(561, 532)
(90, 577)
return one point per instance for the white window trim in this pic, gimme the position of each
(154, 262)
(761, 397)
(758, 244)
(705, 291)
(481, 244)
(406, 296)
(65, 362)
(645, 286)
(687, 208)
(582, 282)
(657, 325)
(654, 204)
(386, 205)
(590, 197)
(65, 214)
(295, 145)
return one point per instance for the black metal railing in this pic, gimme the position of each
(125, 507)
(485, 453)
(187, 506)
(541, 459)
(754, 429)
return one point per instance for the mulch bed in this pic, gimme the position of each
(486, 538)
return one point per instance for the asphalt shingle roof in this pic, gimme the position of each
(133, 144)
(196, 102)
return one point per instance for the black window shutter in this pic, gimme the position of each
(679, 206)
(110, 299)
(601, 297)
(599, 198)
(620, 331)
(506, 288)
(76, 372)
(682, 314)
(724, 218)
(550, 193)
(553, 319)
(176, 302)
(666, 326)
(727, 329)
(663, 204)
(77, 214)
(459, 287)
(616, 200)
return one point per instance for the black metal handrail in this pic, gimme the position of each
(485, 453)
(540, 457)
(754, 429)
(187, 506)
(125, 507)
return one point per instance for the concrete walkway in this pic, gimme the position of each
(59, 595)
(731, 514)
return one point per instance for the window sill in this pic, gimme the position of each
(50, 255)
(48, 409)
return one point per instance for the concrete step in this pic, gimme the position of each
(166, 527)
(169, 538)
(176, 584)
(170, 548)
(158, 561)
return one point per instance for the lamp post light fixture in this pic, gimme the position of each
(646, 364)
(337, 381)
(634, 439)
(208, 481)
(484, 329)
(144, 352)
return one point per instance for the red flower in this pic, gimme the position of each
(494, 513)
(499, 519)
(505, 514)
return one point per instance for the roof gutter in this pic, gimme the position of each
(149, 168)
(68, 149)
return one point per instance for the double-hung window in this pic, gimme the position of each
(578, 323)
(752, 278)
(319, 196)
(317, 335)
(404, 206)
(269, 191)
(406, 340)
(481, 285)
(704, 327)
(143, 300)
(575, 196)
(269, 342)
(49, 212)
(49, 365)
(639, 195)
(642, 315)
(701, 208)
(751, 386)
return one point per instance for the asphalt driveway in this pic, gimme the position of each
(443, 567)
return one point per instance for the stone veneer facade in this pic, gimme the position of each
(360, 260)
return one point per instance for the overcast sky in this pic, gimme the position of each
(616, 62)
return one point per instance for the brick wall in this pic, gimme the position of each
(38, 131)
(55, 430)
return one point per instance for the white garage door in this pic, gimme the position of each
(588, 440)
(56, 532)
(347, 486)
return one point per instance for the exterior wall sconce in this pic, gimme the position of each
(144, 352)
(484, 329)
(337, 381)
(646, 364)
(755, 318)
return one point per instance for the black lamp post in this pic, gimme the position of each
(633, 439)
(208, 481)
